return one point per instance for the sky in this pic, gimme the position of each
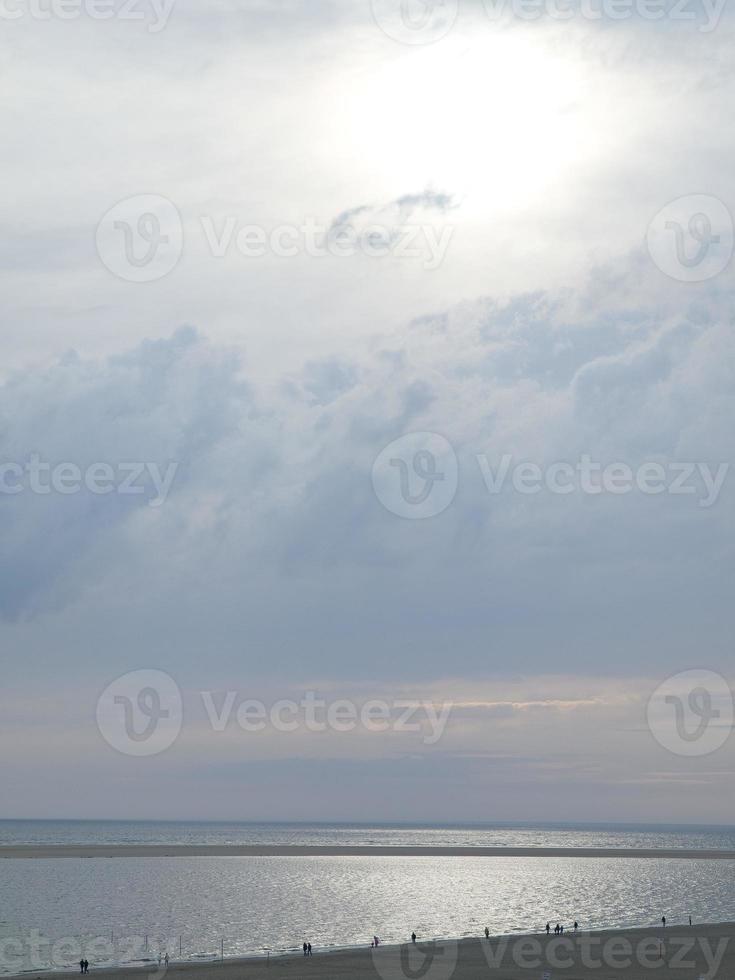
(367, 352)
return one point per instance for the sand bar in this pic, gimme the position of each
(328, 850)
(632, 954)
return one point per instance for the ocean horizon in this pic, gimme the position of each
(203, 907)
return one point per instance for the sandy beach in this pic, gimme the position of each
(679, 951)
(280, 850)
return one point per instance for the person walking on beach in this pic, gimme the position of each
(306, 950)
(487, 933)
(576, 925)
(165, 960)
(81, 966)
(663, 921)
(690, 920)
(548, 928)
(413, 938)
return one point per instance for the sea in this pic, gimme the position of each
(135, 910)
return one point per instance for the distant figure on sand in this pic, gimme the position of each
(487, 933)
(165, 960)
(548, 928)
(690, 920)
(663, 921)
(306, 950)
(576, 925)
(413, 937)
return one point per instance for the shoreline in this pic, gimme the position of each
(468, 957)
(37, 851)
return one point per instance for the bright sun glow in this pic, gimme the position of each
(493, 120)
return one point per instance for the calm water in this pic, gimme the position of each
(509, 835)
(273, 903)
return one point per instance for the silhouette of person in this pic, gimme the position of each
(308, 947)
(306, 950)
(413, 937)
(81, 966)
(487, 933)
(86, 965)
(548, 928)
(690, 920)
(576, 926)
(663, 921)
(556, 929)
(165, 960)
(561, 930)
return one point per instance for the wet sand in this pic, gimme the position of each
(630, 954)
(284, 850)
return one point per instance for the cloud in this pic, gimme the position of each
(383, 224)
(272, 536)
(545, 333)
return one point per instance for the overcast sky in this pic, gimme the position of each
(528, 261)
